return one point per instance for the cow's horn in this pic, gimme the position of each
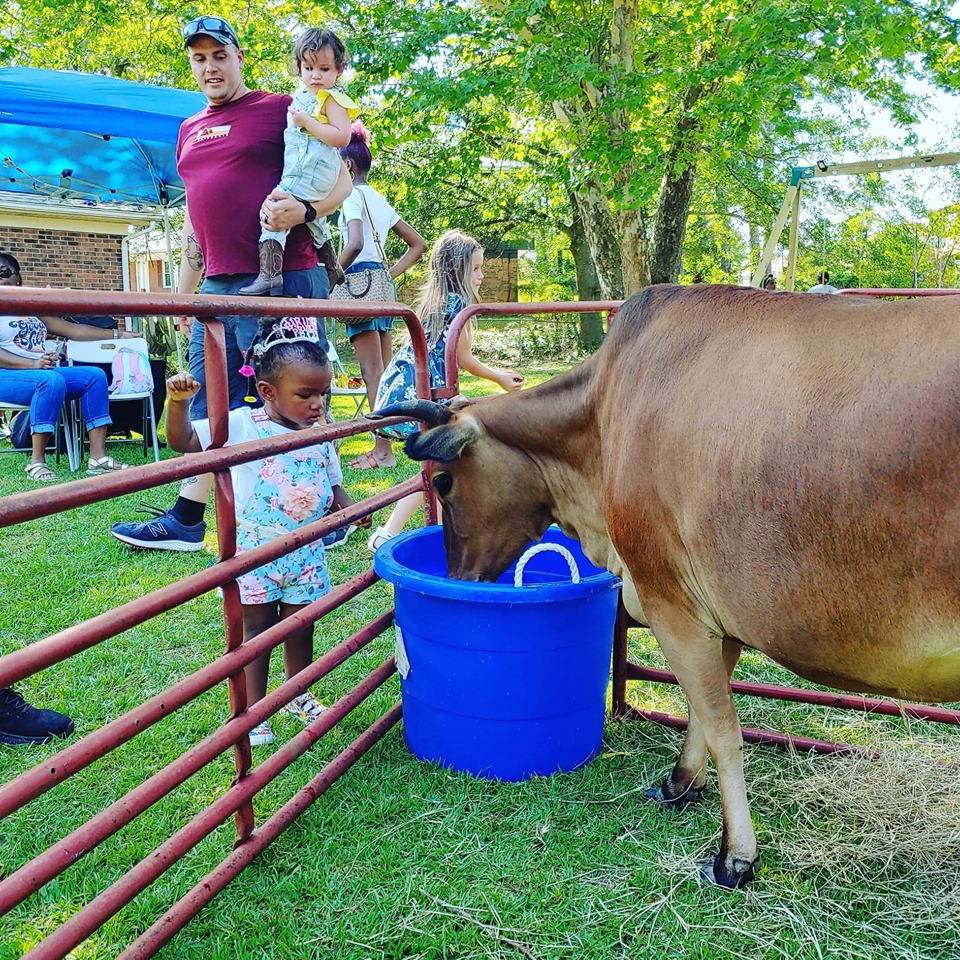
(433, 414)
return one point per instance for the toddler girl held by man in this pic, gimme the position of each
(318, 125)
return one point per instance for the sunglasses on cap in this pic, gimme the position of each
(215, 27)
(7, 272)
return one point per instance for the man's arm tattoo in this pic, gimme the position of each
(194, 253)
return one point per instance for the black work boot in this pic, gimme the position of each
(330, 263)
(22, 723)
(270, 281)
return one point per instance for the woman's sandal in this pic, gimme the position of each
(378, 538)
(40, 473)
(367, 461)
(96, 468)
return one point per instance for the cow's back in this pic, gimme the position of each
(790, 465)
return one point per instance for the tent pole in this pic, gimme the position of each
(174, 281)
(125, 263)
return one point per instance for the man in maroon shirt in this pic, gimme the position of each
(230, 156)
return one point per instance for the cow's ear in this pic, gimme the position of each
(443, 444)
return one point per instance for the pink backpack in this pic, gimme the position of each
(131, 373)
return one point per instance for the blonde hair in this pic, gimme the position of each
(448, 274)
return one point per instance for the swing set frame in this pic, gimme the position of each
(790, 208)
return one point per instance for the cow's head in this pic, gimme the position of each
(494, 497)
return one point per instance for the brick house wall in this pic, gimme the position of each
(87, 255)
(65, 258)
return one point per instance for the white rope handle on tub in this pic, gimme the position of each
(543, 548)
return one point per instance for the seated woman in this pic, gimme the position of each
(30, 375)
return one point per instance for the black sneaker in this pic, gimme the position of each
(22, 723)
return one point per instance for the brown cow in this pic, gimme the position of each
(774, 471)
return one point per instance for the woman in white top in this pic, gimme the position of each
(371, 338)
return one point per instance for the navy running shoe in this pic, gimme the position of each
(336, 538)
(21, 723)
(163, 532)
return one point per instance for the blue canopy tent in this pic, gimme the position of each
(90, 139)
(90, 143)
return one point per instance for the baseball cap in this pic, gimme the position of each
(214, 27)
(8, 259)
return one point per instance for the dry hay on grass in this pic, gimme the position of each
(860, 859)
(901, 809)
(881, 832)
(852, 817)
(885, 830)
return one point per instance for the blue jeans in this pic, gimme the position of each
(46, 390)
(239, 332)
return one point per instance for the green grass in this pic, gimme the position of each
(401, 859)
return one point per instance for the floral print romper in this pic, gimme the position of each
(290, 490)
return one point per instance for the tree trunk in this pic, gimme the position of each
(590, 331)
(634, 256)
(676, 193)
(756, 242)
(670, 221)
(600, 231)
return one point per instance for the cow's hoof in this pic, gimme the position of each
(659, 796)
(715, 872)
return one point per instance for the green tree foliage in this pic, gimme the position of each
(634, 99)
(140, 39)
(867, 250)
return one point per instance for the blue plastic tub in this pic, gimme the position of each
(500, 681)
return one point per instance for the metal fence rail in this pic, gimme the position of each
(236, 799)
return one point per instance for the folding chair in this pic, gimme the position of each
(106, 351)
(359, 394)
(65, 419)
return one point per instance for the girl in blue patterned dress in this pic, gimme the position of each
(454, 276)
(277, 495)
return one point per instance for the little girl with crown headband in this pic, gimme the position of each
(277, 495)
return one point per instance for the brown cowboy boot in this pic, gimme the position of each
(270, 280)
(330, 263)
